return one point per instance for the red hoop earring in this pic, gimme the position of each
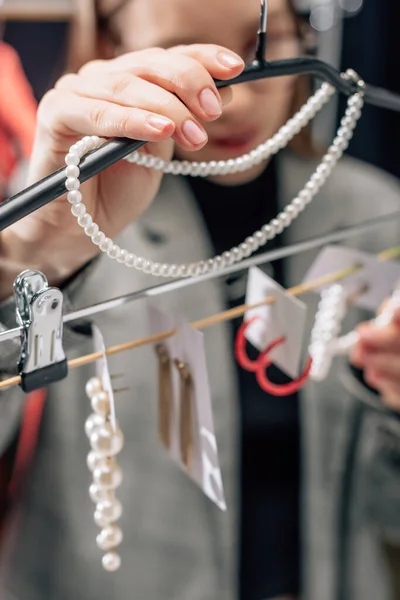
(285, 389)
(240, 347)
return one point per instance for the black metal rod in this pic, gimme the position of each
(52, 187)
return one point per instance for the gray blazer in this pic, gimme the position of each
(177, 545)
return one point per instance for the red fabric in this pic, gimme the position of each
(14, 466)
(17, 112)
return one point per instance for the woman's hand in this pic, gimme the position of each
(378, 354)
(162, 96)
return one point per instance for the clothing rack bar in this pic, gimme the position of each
(41, 193)
(223, 317)
(270, 256)
(178, 284)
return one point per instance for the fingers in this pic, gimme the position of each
(381, 338)
(65, 114)
(128, 91)
(219, 62)
(378, 354)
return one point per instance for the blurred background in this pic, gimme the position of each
(361, 34)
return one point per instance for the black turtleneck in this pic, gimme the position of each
(270, 445)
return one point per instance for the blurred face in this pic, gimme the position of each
(258, 109)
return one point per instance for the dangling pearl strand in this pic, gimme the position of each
(243, 163)
(260, 237)
(328, 323)
(107, 475)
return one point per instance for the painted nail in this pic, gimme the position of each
(229, 59)
(193, 133)
(158, 122)
(210, 103)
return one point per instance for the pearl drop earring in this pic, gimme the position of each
(106, 443)
(328, 323)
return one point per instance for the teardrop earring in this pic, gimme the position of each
(186, 414)
(106, 443)
(165, 393)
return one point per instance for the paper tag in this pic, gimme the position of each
(285, 317)
(379, 277)
(103, 372)
(187, 346)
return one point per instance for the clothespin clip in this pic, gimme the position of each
(39, 315)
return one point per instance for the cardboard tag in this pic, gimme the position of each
(379, 277)
(285, 317)
(103, 371)
(187, 346)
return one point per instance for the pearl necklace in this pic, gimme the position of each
(260, 237)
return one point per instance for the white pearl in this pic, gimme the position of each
(81, 147)
(164, 270)
(96, 141)
(93, 386)
(93, 423)
(72, 158)
(74, 197)
(111, 562)
(101, 403)
(100, 520)
(229, 258)
(268, 232)
(108, 476)
(148, 267)
(277, 226)
(106, 441)
(72, 183)
(246, 249)
(140, 262)
(237, 254)
(110, 537)
(122, 257)
(94, 461)
(114, 252)
(193, 269)
(78, 210)
(261, 238)
(72, 171)
(91, 230)
(98, 238)
(85, 220)
(99, 495)
(106, 245)
(252, 242)
(299, 204)
(130, 260)
(110, 509)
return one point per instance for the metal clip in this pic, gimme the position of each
(39, 313)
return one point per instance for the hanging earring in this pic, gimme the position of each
(186, 414)
(328, 323)
(285, 389)
(106, 442)
(165, 395)
(240, 347)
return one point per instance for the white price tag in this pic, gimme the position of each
(285, 317)
(103, 371)
(187, 346)
(378, 277)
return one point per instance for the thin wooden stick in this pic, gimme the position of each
(227, 315)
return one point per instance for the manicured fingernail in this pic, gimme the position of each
(193, 133)
(229, 59)
(158, 122)
(210, 103)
